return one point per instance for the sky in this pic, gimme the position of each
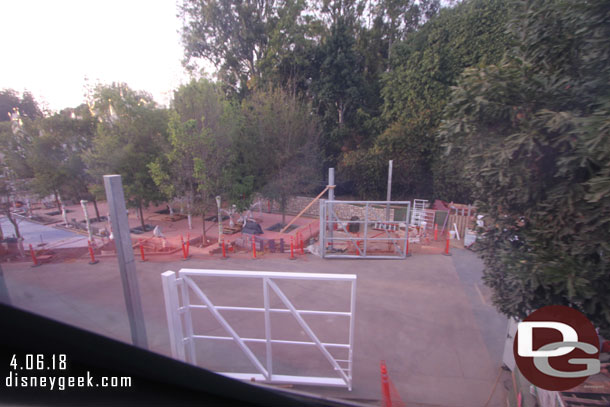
(51, 47)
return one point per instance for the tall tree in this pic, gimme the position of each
(280, 137)
(11, 101)
(130, 135)
(56, 156)
(232, 35)
(533, 136)
(338, 85)
(415, 91)
(196, 166)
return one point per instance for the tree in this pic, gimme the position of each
(56, 156)
(26, 105)
(279, 140)
(197, 163)
(230, 34)
(6, 198)
(416, 90)
(338, 86)
(130, 135)
(533, 136)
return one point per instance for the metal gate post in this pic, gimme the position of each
(172, 305)
(323, 227)
(267, 328)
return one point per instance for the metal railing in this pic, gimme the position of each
(178, 307)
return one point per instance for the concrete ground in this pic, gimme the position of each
(429, 317)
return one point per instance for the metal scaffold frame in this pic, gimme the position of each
(362, 244)
(178, 305)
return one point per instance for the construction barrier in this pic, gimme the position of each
(389, 394)
(142, 251)
(93, 261)
(224, 253)
(34, 260)
(446, 252)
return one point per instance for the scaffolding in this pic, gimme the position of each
(364, 229)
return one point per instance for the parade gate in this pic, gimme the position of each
(183, 294)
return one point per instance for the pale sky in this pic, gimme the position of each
(51, 46)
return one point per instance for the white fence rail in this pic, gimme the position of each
(177, 291)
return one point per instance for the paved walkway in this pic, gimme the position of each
(428, 316)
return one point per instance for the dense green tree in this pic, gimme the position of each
(533, 136)
(130, 134)
(415, 91)
(198, 159)
(338, 86)
(279, 141)
(26, 105)
(56, 155)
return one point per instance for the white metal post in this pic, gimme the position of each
(268, 353)
(331, 197)
(83, 203)
(186, 303)
(389, 197)
(172, 305)
(351, 331)
(323, 224)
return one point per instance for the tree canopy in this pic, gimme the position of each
(532, 135)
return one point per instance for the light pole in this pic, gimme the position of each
(219, 220)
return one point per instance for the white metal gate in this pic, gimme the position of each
(178, 305)
(364, 229)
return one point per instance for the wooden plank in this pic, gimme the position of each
(307, 207)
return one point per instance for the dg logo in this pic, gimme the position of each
(556, 348)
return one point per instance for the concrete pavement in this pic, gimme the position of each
(428, 316)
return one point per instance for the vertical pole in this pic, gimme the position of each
(170, 292)
(322, 238)
(224, 253)
(331, 197)
(292, 248)
(351, 331)
(267, 329)
(83, 203)
(253, 248)
(127, 266)
(142, 251)
(93, 261)
(365, 229)
(219, 219)
(446, 253)
(389, 196)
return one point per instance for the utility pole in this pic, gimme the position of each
(389, 197)
(127, 265)
(331, 198)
